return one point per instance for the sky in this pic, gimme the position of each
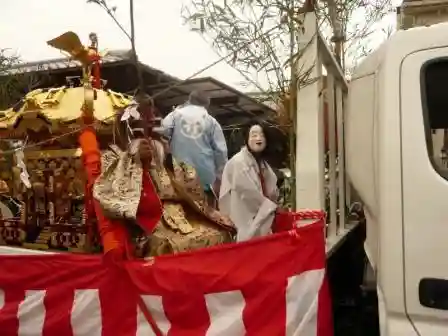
(163, 40)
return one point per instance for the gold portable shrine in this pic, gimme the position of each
(50, 213)
(47, 183)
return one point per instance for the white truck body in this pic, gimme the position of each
(394, 130)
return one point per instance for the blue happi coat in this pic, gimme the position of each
(196, 138)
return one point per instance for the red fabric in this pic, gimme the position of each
(114, 235)
(89, 146)
(264, 287)
(96, 72)
(283, 221)
(286, 220)
(96, 84)
(262, 182)
(149, 209)
(324, 312)
(96, 81)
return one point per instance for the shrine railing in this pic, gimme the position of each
(64, 237)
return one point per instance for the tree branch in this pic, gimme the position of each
(111, 10)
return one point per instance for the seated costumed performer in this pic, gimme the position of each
(249, 191)
(171, 216)
(115, 237)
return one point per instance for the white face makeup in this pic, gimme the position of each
(257, 140)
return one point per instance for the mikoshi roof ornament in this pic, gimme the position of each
(58, 110)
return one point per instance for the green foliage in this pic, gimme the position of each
(14, 83)
(256, 34)
(10, 86)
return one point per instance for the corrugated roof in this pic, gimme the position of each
(63, 63)
(225, 100)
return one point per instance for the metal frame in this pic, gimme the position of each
(315, 183)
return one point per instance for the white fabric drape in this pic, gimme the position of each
(241, 195)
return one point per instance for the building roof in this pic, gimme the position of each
(112, 57)
(226, 102)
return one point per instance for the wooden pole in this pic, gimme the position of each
(141, 84)
(292, 108)
(336, 25)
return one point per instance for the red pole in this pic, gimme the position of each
(94, 59)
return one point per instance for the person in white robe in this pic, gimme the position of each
(248, 194)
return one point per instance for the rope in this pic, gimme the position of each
(305, 215)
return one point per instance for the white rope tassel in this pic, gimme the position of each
(24, 176)
(131, 111)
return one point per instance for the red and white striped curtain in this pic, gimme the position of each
(269, 286)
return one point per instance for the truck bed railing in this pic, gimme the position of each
(321, 180)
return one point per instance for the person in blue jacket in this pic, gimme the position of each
(196, 138)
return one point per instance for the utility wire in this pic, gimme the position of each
(223, 58)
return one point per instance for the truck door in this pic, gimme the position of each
(424, 119)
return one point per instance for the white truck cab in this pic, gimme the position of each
(396, 127)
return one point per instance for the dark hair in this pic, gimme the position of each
(280, 177)
(199, 98)
(246, 130)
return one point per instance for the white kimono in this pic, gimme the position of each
(241, 196)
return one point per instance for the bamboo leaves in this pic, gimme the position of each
(13, 86)
(228, 24)
(231, 24)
